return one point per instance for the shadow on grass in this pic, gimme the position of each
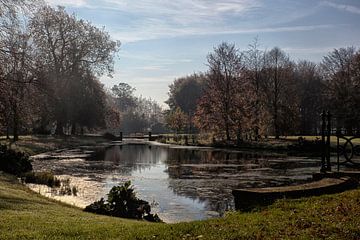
(20, 204)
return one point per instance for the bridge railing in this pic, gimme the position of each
(348, 142)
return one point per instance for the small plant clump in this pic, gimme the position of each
(122, 202)
(74, 191)
(46, 178)
(14, 162)
(66, 189)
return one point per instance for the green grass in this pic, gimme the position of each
(27, 215)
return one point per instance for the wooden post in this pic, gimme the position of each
(328, 164)
(323, 150)
(149, 136)
(337, 150)
(121, 136)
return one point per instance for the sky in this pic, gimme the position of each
(162, 40)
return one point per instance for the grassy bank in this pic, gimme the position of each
(290, 145)
(36, 144)
(27, 215)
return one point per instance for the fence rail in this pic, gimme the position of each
(349, 150)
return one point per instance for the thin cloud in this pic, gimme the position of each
(154, 59)
(322, 50)
(151, 68)
(73, 3)
(343, 7)
(278, 29)
(184, 11)
(158, 19)
(156, 32)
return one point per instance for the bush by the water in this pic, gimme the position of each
(109, 136)
(122, 202)
(304, 145)
(46, 178)
(14, 162)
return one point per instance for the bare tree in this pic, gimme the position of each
(66, 47)
(341, 72)
(310, 91)
(221, 104)
(16, 70)
(255, 65)
(280, 91)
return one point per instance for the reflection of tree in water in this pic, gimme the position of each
(201, 156)
(135, 157)
(296, 163)
(124, 159)
(138, 157)
(212, 183)
(225, 170)
(209, 176)
(190, 170)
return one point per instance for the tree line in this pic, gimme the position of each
(138, 114)
(252, 93)
(51, 61)
(50, 64)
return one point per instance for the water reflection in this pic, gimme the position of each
(182, 184)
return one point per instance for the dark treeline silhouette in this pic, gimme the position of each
(50, 64)
(253, 93)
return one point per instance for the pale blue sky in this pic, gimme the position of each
(163, 40)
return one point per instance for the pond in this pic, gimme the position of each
(182, 184)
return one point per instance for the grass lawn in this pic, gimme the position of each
(27, 215)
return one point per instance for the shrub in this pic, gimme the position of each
(14, 162)
(122, 202)
(109, 136)
(303, 145)
(46, 178)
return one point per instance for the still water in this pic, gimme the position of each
(182, 184)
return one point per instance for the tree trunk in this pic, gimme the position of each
(190, 124)
(15, 124)
(238, 137)
(257, 120)
(73, 129)
(227, 132)
(7, 131)
(59, 128)
(276, 125)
